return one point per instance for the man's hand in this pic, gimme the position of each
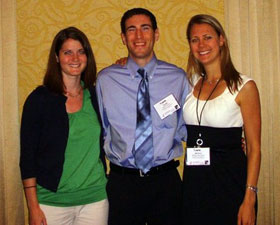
(121, 61)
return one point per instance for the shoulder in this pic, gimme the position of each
(92, 92)
(169, 66)
(247, 89)
(170, 69)
(38, 93)
(195, 78)
(246, 83)
(114, 68)
(36, 100)
(245, 79)
(93, 97)
(42, 94)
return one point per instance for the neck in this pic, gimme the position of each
(72, 85)
(142, 62)
(212, 77)
(213, 73)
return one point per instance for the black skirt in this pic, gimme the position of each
(213, 194)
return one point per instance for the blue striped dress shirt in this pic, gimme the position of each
(117, 88)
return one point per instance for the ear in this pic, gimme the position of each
(123, 38)
(157, 34)
(222, 40)
(57, 59)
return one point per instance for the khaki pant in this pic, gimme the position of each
(91, 214)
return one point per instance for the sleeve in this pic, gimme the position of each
(245, 79)
(182, 129)
(101, 140)
(102, 109)
(31, 125)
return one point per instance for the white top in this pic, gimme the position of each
(222, 111)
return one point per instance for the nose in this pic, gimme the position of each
(139, 33)
(201, 43)
(75, 57)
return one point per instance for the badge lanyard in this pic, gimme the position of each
(199, 140)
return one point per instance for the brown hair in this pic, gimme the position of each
(229, 73)
(53, 76)
(138, 11)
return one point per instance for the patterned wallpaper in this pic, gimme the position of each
(38, 21)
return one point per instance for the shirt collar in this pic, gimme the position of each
(149, 68)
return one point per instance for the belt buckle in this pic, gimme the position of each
(141, 174)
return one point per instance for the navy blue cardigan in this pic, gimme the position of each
(44, 134)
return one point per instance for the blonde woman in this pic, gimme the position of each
(220, 180)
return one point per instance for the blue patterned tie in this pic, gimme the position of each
(143, 150)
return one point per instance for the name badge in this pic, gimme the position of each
(198, 156)
(166, 106)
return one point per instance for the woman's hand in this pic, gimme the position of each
(37, 217)
(243, 144)
(246, 214)
(249, 102)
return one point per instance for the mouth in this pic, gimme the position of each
(139, 44)
(74, 65)
(204, 52)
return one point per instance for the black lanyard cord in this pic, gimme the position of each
(197, 102)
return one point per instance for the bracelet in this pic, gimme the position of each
(30, 187)
(252, 188)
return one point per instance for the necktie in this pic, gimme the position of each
(143, 149)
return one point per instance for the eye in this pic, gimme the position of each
(131, 29)
(68, 52)
(194, 40)
(208, 37)
(82, 52)
(146, 28)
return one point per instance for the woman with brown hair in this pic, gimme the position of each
(62, 171)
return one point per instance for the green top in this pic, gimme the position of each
(83, 178)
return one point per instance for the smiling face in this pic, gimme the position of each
(205, 44)
(139, 38)
(72, 58)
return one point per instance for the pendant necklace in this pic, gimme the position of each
(76, 95)
(212, 81)
(199, 141)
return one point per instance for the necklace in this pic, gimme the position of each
(212, 81)
(74, 95)
(197, 102)
(199, 140)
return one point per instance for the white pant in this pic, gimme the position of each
(91, 214)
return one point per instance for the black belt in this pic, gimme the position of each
(153, 171)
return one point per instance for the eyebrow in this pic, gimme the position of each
(69, 49)
(202, 35)
(142, 25)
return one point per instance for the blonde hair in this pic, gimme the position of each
(229, 73)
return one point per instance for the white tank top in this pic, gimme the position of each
(221, 111)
